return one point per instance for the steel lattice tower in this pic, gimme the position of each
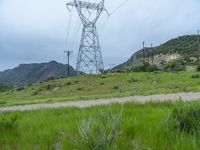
(89, 56)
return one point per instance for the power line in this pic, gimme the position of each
(68, 28)
(116, 9)
(112, 13)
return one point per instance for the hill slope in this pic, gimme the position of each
(88, 87)
(185, 47)
(30, 73)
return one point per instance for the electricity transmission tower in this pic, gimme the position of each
(89, 56)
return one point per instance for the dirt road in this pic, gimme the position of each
(87, 103)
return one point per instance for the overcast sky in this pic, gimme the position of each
(36, 30)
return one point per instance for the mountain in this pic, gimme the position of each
(183, 47)
(30, 73)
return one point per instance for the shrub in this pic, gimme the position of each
(68, 83)
(116, 87)
(198, 68)
(175, 65)
(97, 133)
(186, 119)
(20, 89)
(76, 81)
(194, 76)
(145, 68)
(30, 84)
(103, 76)
(80, 88)
(102, 83)
(35, 93)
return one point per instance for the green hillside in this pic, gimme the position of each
(186, 45)
(183, 47)
(102, 86)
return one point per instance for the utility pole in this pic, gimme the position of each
(198, 42)
(152, 55)
(68, 56)
(89, 56)
(143, 53)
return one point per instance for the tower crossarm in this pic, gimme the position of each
(86, 5)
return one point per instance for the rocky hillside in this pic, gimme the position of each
(183, 47)
(30, 73)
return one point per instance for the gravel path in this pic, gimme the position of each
(87, 103)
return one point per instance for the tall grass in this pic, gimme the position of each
(139, 127)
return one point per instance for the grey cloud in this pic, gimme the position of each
(35, 30)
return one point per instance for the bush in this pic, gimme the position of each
(35, 93)
(186, 119)
(68, 83)
(145, 68)
(175, 65)
(20, 89)
(80, 88)
(194, 76)
(198, 68)
(96, 133)
(101, 83)
(116, 87)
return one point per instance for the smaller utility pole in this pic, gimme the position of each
(152, 55)
(198, 42)
(68, 56)
(143, 53)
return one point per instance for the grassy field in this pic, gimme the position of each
(102, 86)
(131, 126)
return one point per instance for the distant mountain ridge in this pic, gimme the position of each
(184, 47)
(30, 73)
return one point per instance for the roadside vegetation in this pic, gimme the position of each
(153, 125)
(103, 86)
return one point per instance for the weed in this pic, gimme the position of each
(132, 80)
(97, 133)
